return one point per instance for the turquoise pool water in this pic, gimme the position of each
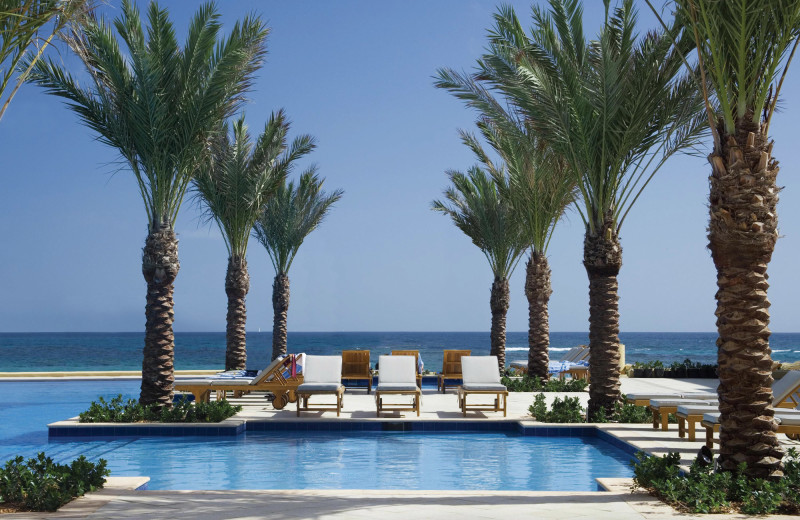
(305, 460)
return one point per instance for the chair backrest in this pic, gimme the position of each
(480, 370)
(783, 388)
(451, 363)
(571, 353)
(269, 372)
(397, 369)
(583, 354)
(355, 363)
(414, 353)
(323, 369)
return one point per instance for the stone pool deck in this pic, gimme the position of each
(120, 499)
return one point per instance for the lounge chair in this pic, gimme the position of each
(355, 365)
(788, 420)
(323, 376)
(481, 377)
(785, 400)
(661, 408)
(690, 415)
(451, 367)
(281, 377)
(397, 376)
(414, 353)
(643, 399)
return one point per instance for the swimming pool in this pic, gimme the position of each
(308, 459)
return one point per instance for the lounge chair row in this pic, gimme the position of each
(398, 377)
(703, 408)
(322, 375)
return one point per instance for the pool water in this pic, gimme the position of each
(305, 460)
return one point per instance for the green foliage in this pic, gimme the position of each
(156, 102)
(475, 205)
(535, 384)
(567, 410)
(290, 215)
(241, 176)
(705, 491)
(130, 411)
(39, 484)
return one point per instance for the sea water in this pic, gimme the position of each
(20, 352)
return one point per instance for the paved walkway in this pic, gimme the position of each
(119, 500)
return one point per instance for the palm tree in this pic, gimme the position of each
(475, 205)
(741, 46)
(285, 222)
(22, 40)
(234, 187)
(538, 190)
(159, 105)
(614, 110)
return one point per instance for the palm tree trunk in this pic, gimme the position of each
(499, 305)
(237, 284)
(602, 258)
(538, 291)
(280, 307)
(742, 235)
(160, 266)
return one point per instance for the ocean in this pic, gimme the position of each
(22, 352)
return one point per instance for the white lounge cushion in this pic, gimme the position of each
(696, 410)
(491, 387)
(712, 417)
(323, 369)
(791, 419)
(318, 387)
(782, 388)
(705, 396)
(656, 403)
(641, 396)
(480, 370)
(397, 369)
(397, 387)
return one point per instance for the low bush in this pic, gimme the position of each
(567, 410)
(118, 411)
(39, 484)
(705, 491)
(536, 384)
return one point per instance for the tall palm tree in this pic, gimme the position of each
(741, 47)
(234, 186)
(285, 222)
(475, 205)
(25, 33)
(159, 104)
(538, 190)
(614, 109)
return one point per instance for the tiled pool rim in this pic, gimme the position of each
(234, 427)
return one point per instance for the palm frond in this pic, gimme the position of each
(291, 215)
(158, 104)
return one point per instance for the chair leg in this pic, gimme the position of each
(710, 437)
(691, 429)
(664, 421)
(681, 427)
(655, 418)
(416, 403)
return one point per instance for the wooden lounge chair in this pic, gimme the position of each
(355, 365)
(643, 399)
(281, 378)
(414, 353)
(661, 408)
(397, 376)
(322, 376)
(788, 420)
(451, 367)
(481, 377)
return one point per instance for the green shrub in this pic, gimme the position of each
(705, 491)
(535, 384)
(567, 410)
(118, 411)
(39, 484)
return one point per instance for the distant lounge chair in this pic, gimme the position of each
(322, 376)
(355, 365)
(397, 376)
(414, 353)
(451, 367)
(481, 377)
(785, 401)
(281, 377)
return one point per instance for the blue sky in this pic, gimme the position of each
(358, 76)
